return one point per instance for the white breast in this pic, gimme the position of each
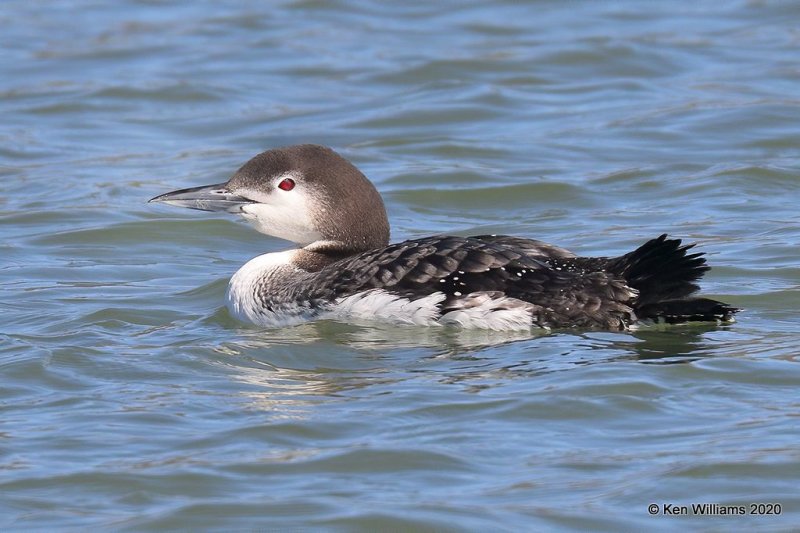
(241, 296)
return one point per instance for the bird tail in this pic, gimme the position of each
(664, 274)
(687, 310)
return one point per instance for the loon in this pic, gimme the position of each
(344, 267)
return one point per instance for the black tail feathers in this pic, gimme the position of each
(664, 274)
(660, 269)
(687, 310)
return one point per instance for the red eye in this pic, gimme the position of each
(287, 184)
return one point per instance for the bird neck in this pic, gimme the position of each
(319, 254)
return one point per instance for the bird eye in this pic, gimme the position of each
(287, 184)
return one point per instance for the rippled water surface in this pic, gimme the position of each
(131, 400)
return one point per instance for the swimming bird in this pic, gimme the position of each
(344, 267)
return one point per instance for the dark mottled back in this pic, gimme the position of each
(654, 282)
(458, 266)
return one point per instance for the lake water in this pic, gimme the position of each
(131, 400)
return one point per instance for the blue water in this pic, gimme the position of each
(131, 400)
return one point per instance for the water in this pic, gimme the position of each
(132, 401)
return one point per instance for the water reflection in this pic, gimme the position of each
(291, 369)
(677, 344)
(377, 341)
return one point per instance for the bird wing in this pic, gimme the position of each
(459, 266)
